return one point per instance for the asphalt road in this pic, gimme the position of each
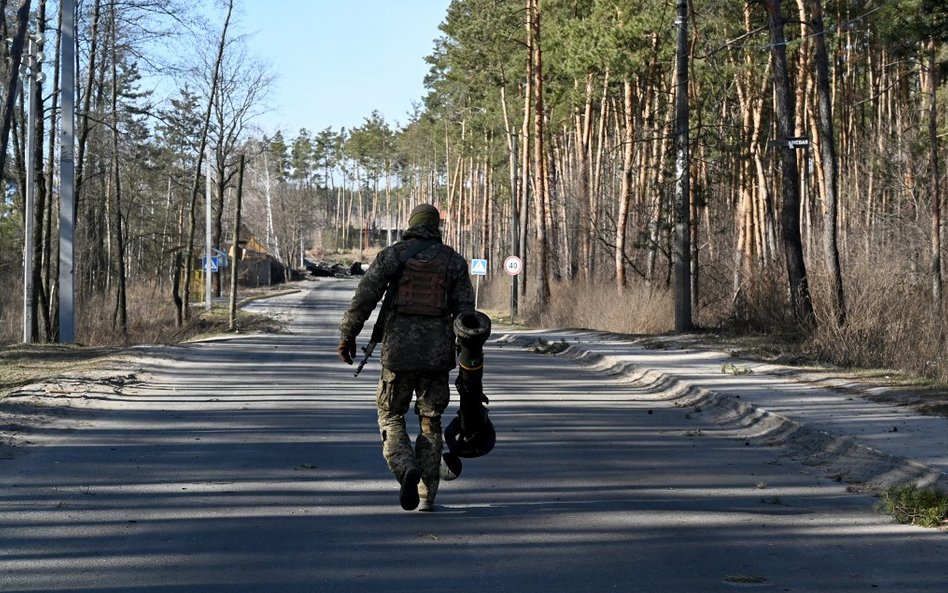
(254, 464)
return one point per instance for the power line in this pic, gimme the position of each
(832, 29)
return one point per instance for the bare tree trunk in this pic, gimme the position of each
(583, 153)
(235, 258)
(273, 242)
(175, 285)
(196, 184)
(85, 125)
(650, 160)
(751, 188)
(51, 279)
(802, 93)
(515, 189)
(39, 304)
(935, 174)
(348, 227)
(13, 79)
(364, 228)
(625, 194)
(217, 216)
(525, 183)
(790, 210)
(121, 305)
(565, 235)
(541, 198)
(176, 270)
(596, 189)
(830, 166)
(487, 207)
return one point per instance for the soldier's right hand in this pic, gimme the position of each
(346, 349)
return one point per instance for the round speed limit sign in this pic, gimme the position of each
(513, 265)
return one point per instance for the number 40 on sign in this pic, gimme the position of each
(513, 265)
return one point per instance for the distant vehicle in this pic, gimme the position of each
(333, 270)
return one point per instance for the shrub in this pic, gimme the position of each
(890, 324)
(909, 504)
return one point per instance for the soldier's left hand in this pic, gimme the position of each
(346, 349)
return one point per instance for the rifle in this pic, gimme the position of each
(368, 348)
(379, 328)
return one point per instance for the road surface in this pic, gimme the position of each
(254, 465)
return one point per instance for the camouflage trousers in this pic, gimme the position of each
(393, 397)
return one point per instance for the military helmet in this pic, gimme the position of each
(424, 214)
(473, 443)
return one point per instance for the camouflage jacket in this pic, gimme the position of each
(412, 342)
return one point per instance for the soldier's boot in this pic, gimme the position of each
(428, 447)
(398, 453)
(408, 495)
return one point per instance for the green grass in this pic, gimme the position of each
(910, 504)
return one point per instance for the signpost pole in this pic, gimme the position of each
(513, 265)
(478, 268)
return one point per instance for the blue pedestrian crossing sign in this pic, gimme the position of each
(478, 267)
(214, 266)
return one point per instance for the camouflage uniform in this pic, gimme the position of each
(417, 354)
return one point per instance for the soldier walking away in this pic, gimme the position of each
(425, 285)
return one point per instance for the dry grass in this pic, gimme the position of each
(762, 307)
(635, 310)
(891, 323)
(151, 318)
(24, 364)
(595, 306)
(11, 311)
(151, 321)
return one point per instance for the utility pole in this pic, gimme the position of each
(682, 250)
(67, 171)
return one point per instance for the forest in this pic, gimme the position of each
(777, 167)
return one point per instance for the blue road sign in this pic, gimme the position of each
(214, 264)
(479, 267)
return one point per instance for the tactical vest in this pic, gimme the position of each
(422, 287)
